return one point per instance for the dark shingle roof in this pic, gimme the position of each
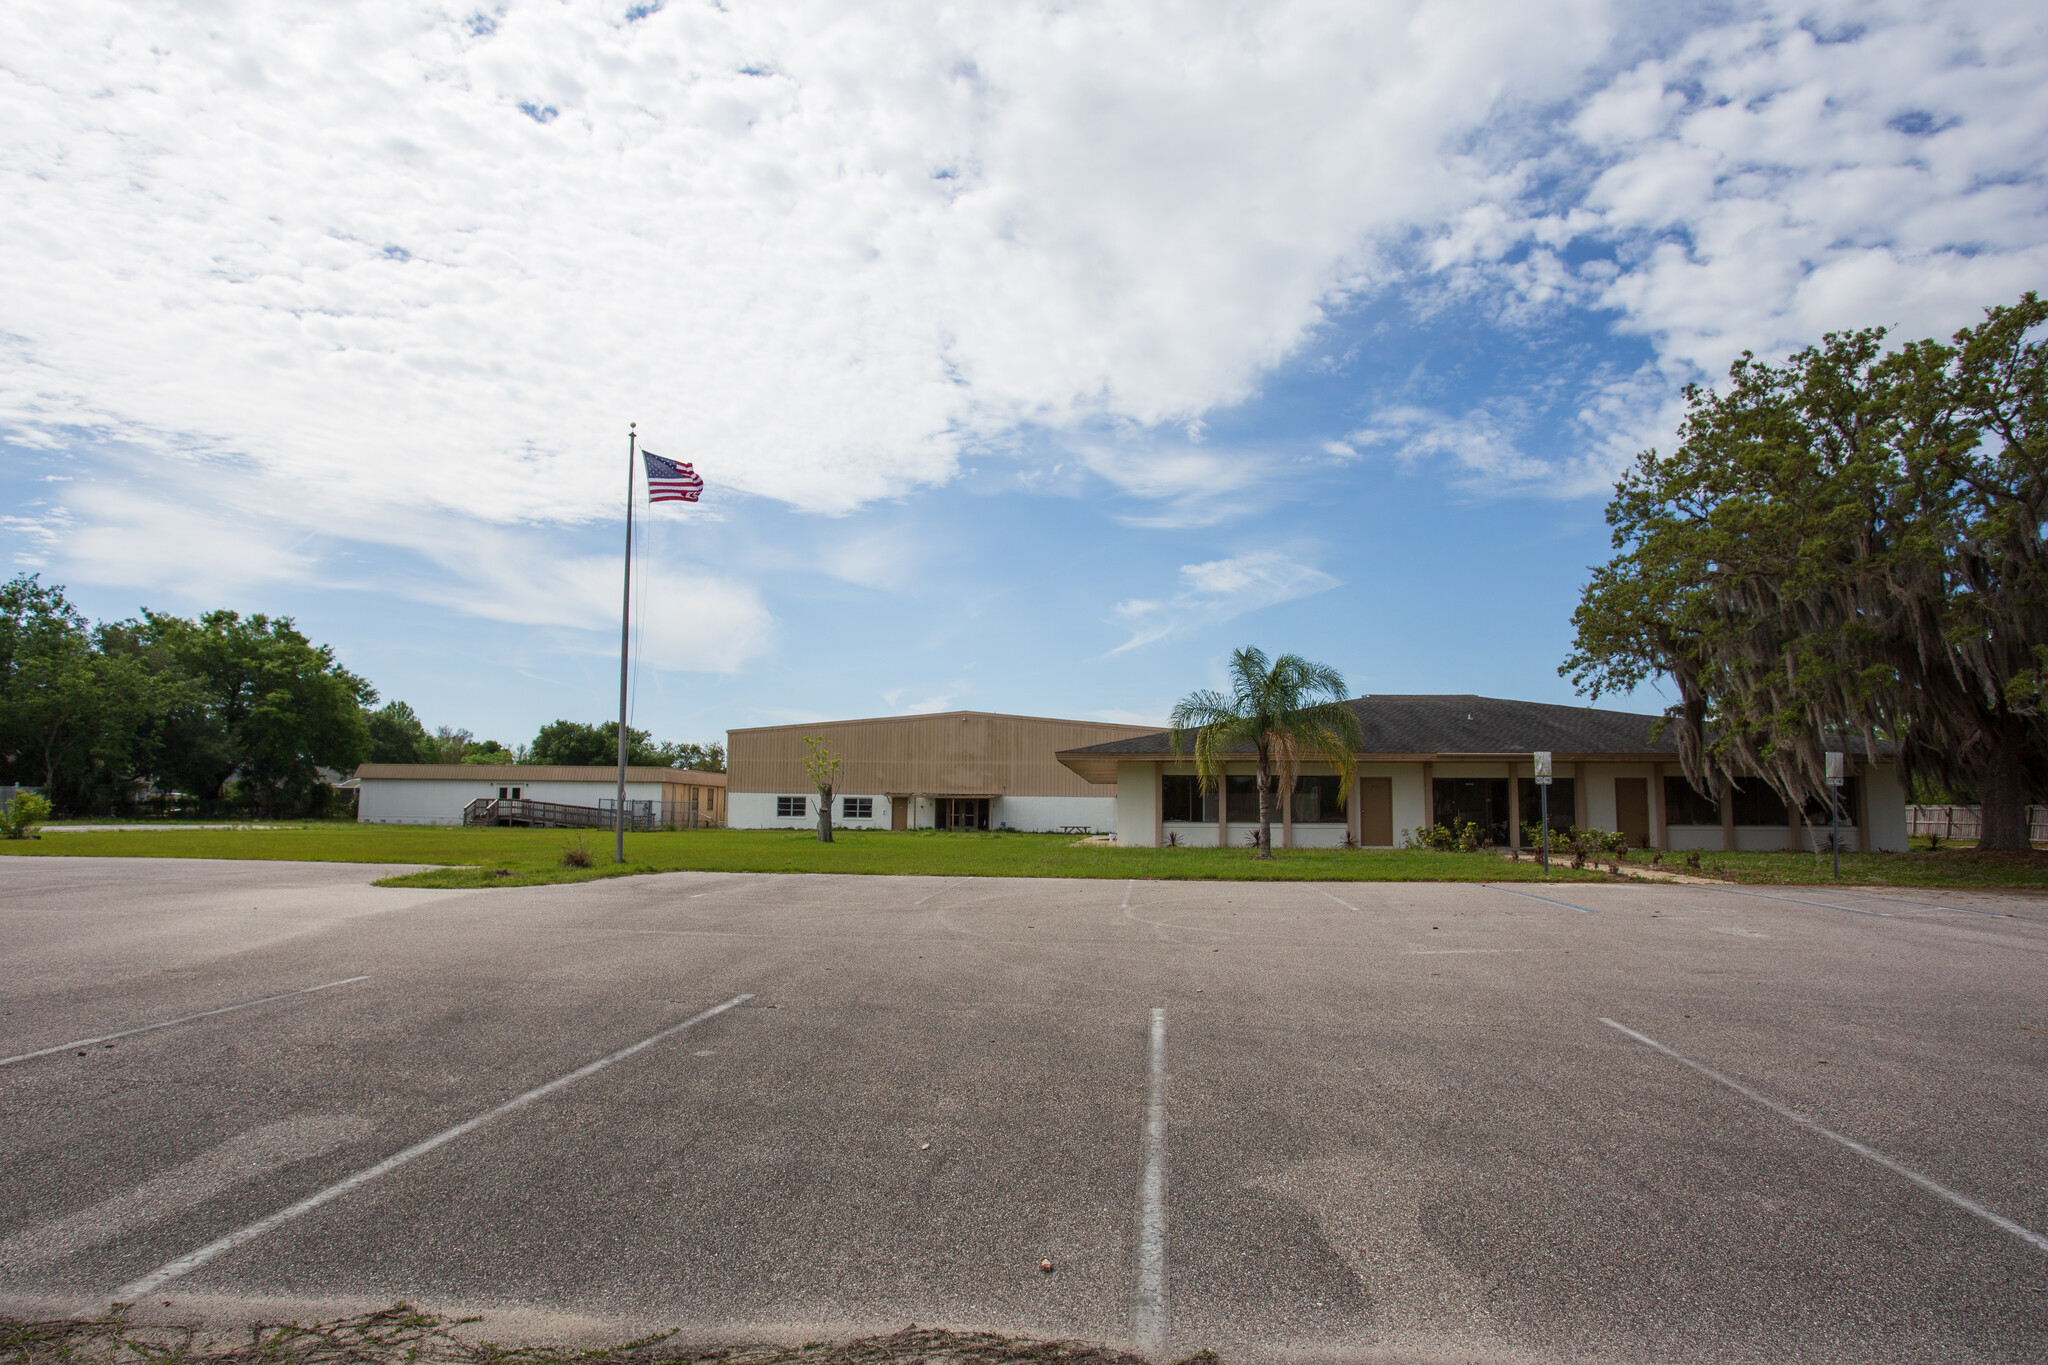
(1470, 725)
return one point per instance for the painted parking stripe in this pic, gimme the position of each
(1932, 905)
(181, 1019)
(1999, 1221)
(1148, 1303)
(1566, 904)
(1795, 900)
(193, 1260)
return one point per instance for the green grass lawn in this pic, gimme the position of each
(1947, 866)
(523, 857)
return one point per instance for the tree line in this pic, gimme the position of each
(225, 712)
(1849, 543)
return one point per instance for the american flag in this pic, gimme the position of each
(668, 481)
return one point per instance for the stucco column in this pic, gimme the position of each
(1579, 794)
(1514, 807)
(1286, 812)
(1158, 805)
(1351, 824)
(1660, 818)
(1727, 815)
(1428, 796)
(1223, 807)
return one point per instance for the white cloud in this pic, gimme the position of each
(815, 248)
(397, 259)
(1220, 590)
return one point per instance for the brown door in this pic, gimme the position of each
(899, 812)
(1632, 809)
(1376, 812)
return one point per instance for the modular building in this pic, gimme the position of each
(439, 793)
(1430, 760)
(954, 770)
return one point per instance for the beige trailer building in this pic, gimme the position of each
(439, 793)
(1454, 760)
(954, 770)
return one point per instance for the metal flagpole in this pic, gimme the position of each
(625, 635)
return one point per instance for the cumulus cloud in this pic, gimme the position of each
(1219, 590)
(401, 258)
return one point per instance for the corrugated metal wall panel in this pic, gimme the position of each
(969, 753)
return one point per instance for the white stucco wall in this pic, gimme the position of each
(1885, 801)
(756, 810)
(422, 801)
(1137, 805)
(1048, 813)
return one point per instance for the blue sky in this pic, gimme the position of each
(1035, 358)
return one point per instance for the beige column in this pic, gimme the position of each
(1660, 823)
(1158, 804)
(1579, 795)
(1428, 795)
(1862, 811)
(1351, 811)
(1514, 807)
(1286, 812)
(1223, 807)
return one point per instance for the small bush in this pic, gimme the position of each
(23, 815)
(576, 854)
(1465, 838)
(1173, 838)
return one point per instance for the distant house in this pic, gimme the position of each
(954, 770)
(1452, 759)
(438, 793)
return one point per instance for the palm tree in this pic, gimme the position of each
(1288, 709)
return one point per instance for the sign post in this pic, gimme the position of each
(1835, 770)
(1542, 757)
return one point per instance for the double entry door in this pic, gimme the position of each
(961, 812)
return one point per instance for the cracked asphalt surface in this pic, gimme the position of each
(1397, 1129)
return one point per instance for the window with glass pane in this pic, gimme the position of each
(858, 808)
(1315, 801)
(1241, 797)
(1817, 809)
(791, 807)
(1561, 807)
(1481, 801)
(1182, 798)
(1757, 804)
(1684, 806)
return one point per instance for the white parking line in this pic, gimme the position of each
(1148, 1305)
(191, 1261)
(1869, 1154)
(181, 1019)
(1127, 892)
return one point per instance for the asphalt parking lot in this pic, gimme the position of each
(1284, 1122)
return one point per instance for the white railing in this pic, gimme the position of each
(1967, 822)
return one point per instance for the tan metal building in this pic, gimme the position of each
(954, 770)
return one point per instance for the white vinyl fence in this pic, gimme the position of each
(1967, 822)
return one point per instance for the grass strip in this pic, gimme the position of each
(459, 857)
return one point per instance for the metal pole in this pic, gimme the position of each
(625, 636)
(1835, 812)
(1545, 789)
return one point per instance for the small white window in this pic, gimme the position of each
(858, 808)
(790, 807)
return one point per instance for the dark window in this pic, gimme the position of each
(962, 812)
(1563, 813)
(1482, 801)
(504, 793)
(1241, 797)
(515, 793)
(1757, 804)
(791, 807)
(1315, 800)
(1684, 806)
(857, 808)
(1817, 809)
(1182, 798)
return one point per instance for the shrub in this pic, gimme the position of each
(576, 854)
(23, 815)
(1466, 838)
